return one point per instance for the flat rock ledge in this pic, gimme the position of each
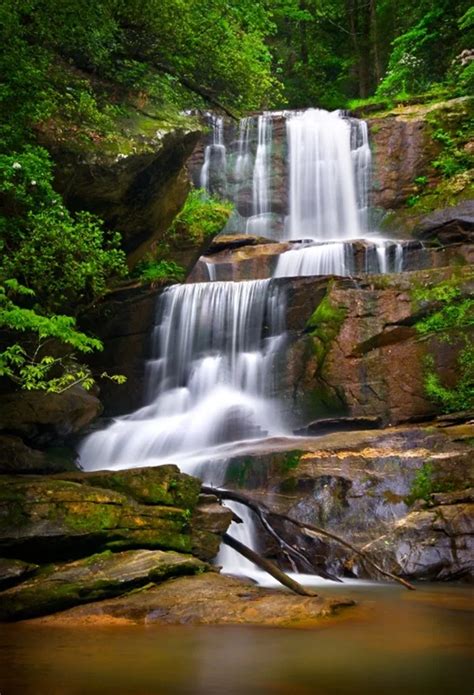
(203, 599)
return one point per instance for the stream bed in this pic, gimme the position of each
(393, 642)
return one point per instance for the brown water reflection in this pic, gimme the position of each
(393, 642)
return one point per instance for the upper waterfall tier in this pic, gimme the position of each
(292, 175)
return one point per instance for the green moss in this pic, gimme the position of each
(451, 319)
(424, 484)
(238, 472)
(163, 485)
(324, 325)
(290, 461)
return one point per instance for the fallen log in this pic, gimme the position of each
(267, 566)
(263, 511)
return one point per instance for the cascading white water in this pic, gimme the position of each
(317, 259)
(258, 223)
(243, 162)
(209, 381)
(215, 153)
(209, 384)
(361, 163)
(322, 185)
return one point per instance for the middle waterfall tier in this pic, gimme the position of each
(210, 381)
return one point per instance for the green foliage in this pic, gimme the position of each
(65, 259)
(26, 361)
(51, 262)
(423, 486)
(151, 270)
(290, 461)
(202, 217)
(453, 320)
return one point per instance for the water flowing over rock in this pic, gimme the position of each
(235, 364)
(207, 383)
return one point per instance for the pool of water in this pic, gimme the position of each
(393, 642)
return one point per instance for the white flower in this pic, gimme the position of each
(33, 183)
(16, 165)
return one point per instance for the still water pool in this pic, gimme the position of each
(392, 642)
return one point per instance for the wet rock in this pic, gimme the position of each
(339, 424)
(449, 225)
(205, 599)
(230, 242)
(209, 522)
(91, 579)
(360, 485)
(431, 544)
(43, 418)
(14, 571)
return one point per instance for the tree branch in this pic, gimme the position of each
(310, 530)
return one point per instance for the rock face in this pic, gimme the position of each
(403, 147)
(449, 225)
(50, 518)
(345, 355)
(137, 193)
(205, 599)
(379, 490)
(106, 533)
(43, 418)
(123, 323)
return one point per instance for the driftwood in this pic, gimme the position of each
(264, 512)
(267, 566)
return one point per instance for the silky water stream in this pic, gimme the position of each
(216, 345)
(211, 389)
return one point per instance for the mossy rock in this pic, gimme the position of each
(164, 485)
(98, 577)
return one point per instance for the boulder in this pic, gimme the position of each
(71, 515)
(204, 599)
(430, 544)
(44, 418)
(91, 579)
(137, 192)
(17, 457)
(123, 322)
(448, 226)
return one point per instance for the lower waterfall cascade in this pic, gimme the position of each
(210, 384)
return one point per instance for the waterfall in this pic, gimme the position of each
(322, 182)
(209, 381)
(214, 155)
(258, 223)
(216, 345)
(317, 259)
(243, 162)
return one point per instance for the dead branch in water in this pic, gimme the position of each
(265, 514)
(267, 566)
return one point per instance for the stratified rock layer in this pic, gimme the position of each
(381, 490)
(206, 599)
